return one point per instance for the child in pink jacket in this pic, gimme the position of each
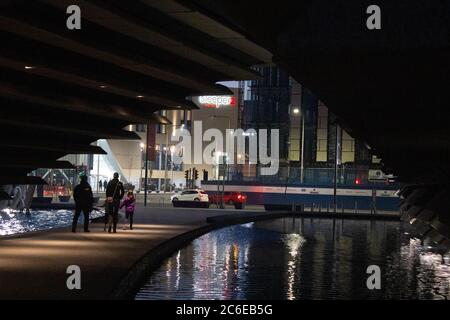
(129, 204)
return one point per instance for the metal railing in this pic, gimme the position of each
(290, 175)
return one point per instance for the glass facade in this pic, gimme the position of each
(307, 132)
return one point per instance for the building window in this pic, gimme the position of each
(140, 128)
(160, 127)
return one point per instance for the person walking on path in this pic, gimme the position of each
(84, 201)
(129, 204)
(114, 193)
(100, 185)
(105, 184)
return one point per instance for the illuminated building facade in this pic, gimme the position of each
(307, 130)
(128, 157)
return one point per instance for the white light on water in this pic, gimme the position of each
(10, 212)
(15, 222)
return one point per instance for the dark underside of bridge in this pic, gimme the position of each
(61, 90)
(388, 87)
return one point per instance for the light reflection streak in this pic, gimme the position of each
(177, 282)
(235, 258)
(226, 271)
(168, 270)
(294, 242)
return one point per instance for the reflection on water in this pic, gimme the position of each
(303, 259)
(12, 222)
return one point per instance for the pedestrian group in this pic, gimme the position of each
(84, 202)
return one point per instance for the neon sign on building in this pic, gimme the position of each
(217, 101)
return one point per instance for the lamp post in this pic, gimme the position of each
(142, 147)
(225, 162)
(165, 164)
(336, 166)
(229, 127)
(146, 165)
(98, 171)
(166, 150)
(248, 154)
(172, 150)
(239, 157)
(223, 155)
(302, 163)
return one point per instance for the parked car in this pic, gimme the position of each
(229, 197)
(191, 195)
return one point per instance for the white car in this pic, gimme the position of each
(191, 195)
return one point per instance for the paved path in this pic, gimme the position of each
(33, 266)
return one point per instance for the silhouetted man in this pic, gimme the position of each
(114, 193)
(84, 201)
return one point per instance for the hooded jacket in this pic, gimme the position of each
(82, 195)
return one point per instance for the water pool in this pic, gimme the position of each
(306, 258)
(13, 222)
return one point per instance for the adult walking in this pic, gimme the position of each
(114, 193)
(84, 201)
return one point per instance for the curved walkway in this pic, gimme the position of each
(33, 266)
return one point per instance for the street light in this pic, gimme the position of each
(226, 159)
(166, 149)
(142, 147)
(242, 167)
(98, 170)
(172, 150)
(229, 127)
(218, 155)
